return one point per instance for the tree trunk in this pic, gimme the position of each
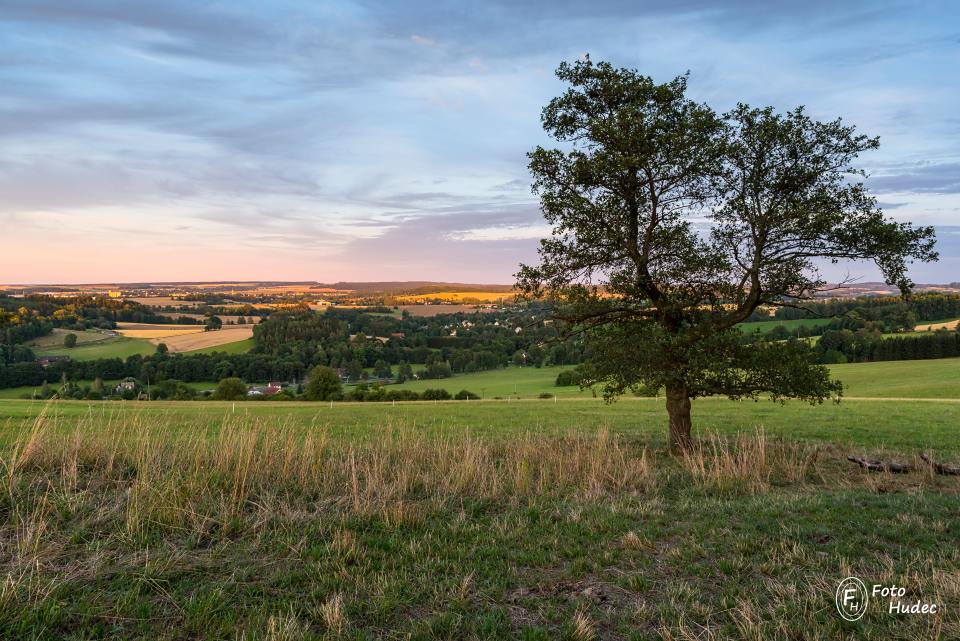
(678, 408)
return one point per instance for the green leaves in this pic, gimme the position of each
(671, 224)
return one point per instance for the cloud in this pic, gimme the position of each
(346, 134)
(933, 178)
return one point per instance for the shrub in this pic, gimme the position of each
(545, 395)
(464, 395)
(435, 395)
(230, 389)
(323, 385)
(568, 378)
(70, 340)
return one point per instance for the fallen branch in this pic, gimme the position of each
(940, 468)
(880, 466)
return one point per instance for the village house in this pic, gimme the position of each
(47, 361)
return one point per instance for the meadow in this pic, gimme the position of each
(112, 347)
(936, 378)
(765, 326)
(495, 519)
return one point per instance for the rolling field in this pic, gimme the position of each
(495, 519)
(54, 340)
(532, 520)
(939, 378)
(150, 331)
(233, 347)
(459, 297)
(216, 340)
(114, 347)
(186, 338)
(765, 326)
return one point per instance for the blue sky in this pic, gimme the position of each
(386, 140)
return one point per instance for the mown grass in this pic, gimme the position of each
(114, 347)
(765, 326)
(937, 378)
(142, 524)
(236, 347)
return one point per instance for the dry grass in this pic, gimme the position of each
(748, 462)
(201, 340)
(149, 331)
(249, 470)
(930, 327)
(313, 534)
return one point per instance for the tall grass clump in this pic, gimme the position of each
(747, 463)
(147, 474)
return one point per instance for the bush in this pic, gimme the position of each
(464, 395)
(401, 395)
(70, 340)
(545, 395)
(568, 378)
(230, 389)
(323, 385)
(435, 395)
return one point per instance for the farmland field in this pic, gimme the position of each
(937, 378)
(765, 326)
(436, 310)
(150, 331)
(209, 340)
(54, 339)
(114, 347)
(233, 347)
(459, 297)
(493, 520)
(186, 338)
(952, 323)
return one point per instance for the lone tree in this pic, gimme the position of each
(324, 385)
(672, 224)
(70, 340)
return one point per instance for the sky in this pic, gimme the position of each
(372, 140)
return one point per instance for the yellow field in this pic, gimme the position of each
(930, 327)
(457, 297)
(200, 340)
(164, 301)
(151, 332)
(185, 338)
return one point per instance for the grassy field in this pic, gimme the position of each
(495, 519)
(481, 520)
(939, 378)
(114, 347)
(765, 326)
(54, 339)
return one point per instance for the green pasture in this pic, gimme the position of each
(765, 326)
(875, 423)
(112, 347)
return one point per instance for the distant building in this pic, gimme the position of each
(47, 361)
(127, 384)
(273, 388)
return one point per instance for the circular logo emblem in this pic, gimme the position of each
(852, 598)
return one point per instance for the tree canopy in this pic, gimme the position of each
(673, 223)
